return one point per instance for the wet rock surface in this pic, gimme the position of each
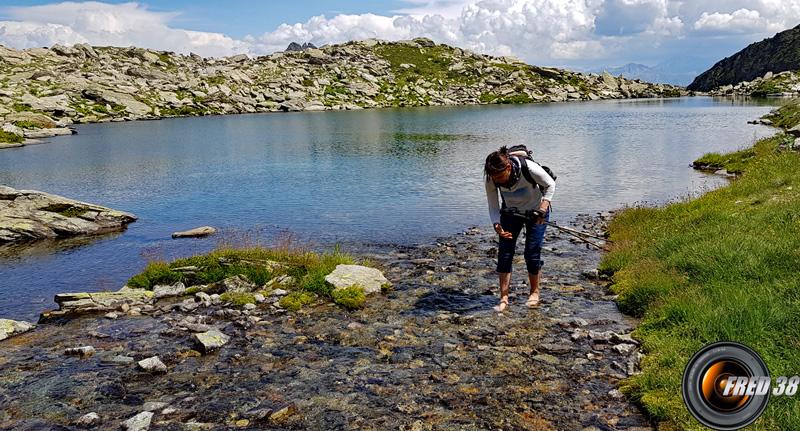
(430, 355)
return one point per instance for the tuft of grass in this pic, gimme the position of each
(66, 210)
(27, 124)
(352, 297)
(238, 298)
(296, 300)
(11, 138)
(21, 107)
(785, 117)
(156, 273)
(719, 267)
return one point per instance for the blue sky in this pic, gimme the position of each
(679, 35)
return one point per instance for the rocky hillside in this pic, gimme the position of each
(776, 54)
(50, 88)
(783, 84)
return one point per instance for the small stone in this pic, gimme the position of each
(249, 306)
(279, 292)
(211, 340)
(241, 423)
(624, 349)
(121, 359)
(623, 338)
(616, 394)
(153, 365)
(168, 411)
(548, 359)
(283, 413)
(259, 298)
(140, 422)
(83, 351)
(112, 315)
(88, 420)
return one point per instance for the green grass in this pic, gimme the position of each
(10, 138)
(20, 107)
(238, 298)
(430, 64)
(215, 80)
(352, 297)
(258, 265)
(296, 300)
(786, 117)
(719, 267)
(737, 162)
(27, 125)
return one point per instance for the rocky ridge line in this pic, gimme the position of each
(44, 90)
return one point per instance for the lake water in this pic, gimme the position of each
(386, 176)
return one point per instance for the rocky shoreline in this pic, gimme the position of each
(428, 354)
(30, 215)
(43, 91)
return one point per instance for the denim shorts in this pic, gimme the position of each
(534, 237)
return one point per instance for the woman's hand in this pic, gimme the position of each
(543, 208)
(503, 234)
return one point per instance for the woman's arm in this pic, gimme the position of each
(543, 179)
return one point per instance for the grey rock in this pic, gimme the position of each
(162, 291)
(9, 328)
(195, 233)
(370, 279)
(88, 420)
(140, 422)
(211, 340)
(33, 215)
(152, 364)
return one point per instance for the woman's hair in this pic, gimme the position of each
(496, 162)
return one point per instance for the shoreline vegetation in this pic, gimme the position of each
(43, 91)
(722, 266)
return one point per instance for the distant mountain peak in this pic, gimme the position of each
(294, 46)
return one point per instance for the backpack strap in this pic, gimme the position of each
(526, 172)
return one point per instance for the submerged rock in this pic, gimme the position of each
(211, 340)
(344, 276)
(9, 328)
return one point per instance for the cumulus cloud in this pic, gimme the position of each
(548, 32)
(108, 24)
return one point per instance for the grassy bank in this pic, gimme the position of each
(723, 266)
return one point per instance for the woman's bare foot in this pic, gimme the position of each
(533, 300)
(501, 306)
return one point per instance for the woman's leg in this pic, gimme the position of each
(534, 239)
(505, 256)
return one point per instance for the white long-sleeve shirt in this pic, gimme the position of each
(523, 195)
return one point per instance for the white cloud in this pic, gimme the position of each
(740, 21)
(547, 32)
(99, 23)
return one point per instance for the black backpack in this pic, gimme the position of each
(524, 154)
